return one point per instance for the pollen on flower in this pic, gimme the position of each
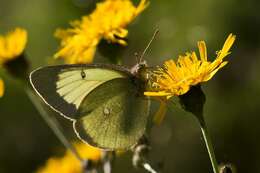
(176, 78)
(107, 21)
(12, 45)
(1, 88)
(69, 163)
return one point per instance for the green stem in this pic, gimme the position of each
(52, 123)
(209, 145)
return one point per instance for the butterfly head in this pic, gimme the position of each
(137, 68)
(141, 71)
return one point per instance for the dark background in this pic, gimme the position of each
(232, 107)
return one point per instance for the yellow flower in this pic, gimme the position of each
(69, 163)
(1, 88)
(107, 21)
(12, 45)
(176, 78)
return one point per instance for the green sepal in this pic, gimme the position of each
(112, 52)
(193, 101)
(18, 67)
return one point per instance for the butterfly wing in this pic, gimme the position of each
(64, 87)
(113, 116)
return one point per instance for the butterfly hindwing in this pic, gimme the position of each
(64, 87)
(113, 116)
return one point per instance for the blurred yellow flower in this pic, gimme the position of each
(12, 45)
(1, 88)
(176, 78)
(69, 163)
(107, 21)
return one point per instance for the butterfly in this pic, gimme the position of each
(104, 102)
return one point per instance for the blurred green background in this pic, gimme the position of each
(232, 107)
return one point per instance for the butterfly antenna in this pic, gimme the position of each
(148, 45)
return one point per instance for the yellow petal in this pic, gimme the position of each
(215, 71)
(202, 50)
(194, 57)
(161, 93)
(121, 32)
(227, 45)
(1, 88)
(142, 5)
(160, 114)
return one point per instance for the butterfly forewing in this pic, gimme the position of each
(64, 87)
(113, 116)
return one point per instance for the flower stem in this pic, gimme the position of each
(209, 145)
(53, 124)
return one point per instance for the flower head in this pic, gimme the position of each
(1, 88)
(12, 45)
(107, 21)
(69, 163)
(175, 79)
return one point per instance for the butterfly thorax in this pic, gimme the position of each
(141, 73)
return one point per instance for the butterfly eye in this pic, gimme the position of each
(83, 74)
